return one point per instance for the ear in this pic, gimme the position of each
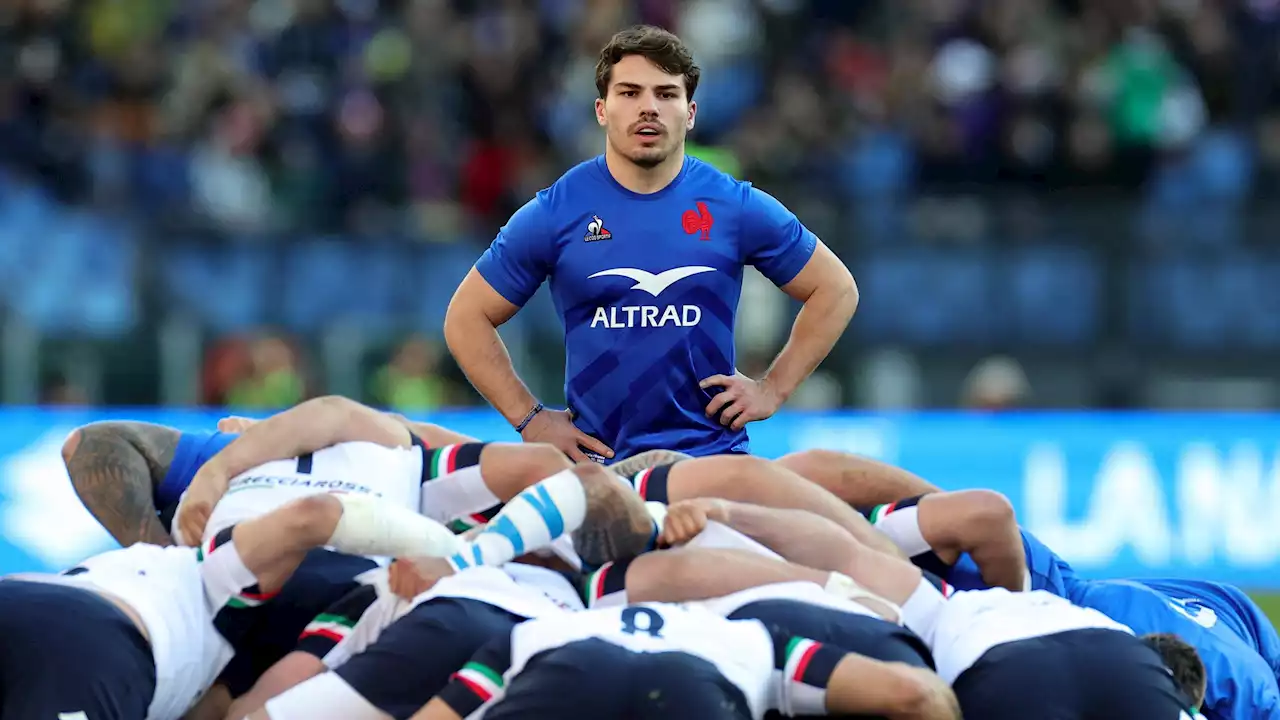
(600, 117)
(693, 115)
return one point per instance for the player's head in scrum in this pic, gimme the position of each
(646, 79)
(1184, 662)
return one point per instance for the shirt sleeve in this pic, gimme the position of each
(521, 256)
(802, 668)
(481, 681)
(773, 239)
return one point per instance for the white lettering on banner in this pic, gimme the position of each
(629, 316)
(1127, 507)
(1224, 507)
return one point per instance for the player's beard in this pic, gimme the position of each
(648, 158)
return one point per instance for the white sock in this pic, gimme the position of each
(371, 526)
(920, 612)
(902, 527)
(531, 521)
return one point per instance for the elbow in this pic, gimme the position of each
(69, 447)
(846, 293)
(337, 410)
(461, 321)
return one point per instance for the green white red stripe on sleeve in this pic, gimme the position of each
(804, 669)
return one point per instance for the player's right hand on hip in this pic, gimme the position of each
(555, 427)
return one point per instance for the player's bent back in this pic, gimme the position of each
(361, 468)
(1010, 656)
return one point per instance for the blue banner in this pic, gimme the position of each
(1115, 494)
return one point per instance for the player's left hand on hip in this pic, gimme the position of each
(742, 400)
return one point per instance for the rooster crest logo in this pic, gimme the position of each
(596, 231)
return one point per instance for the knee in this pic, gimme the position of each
(989, 509)
(509, 468)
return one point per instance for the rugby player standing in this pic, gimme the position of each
(645, 249)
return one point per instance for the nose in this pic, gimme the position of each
(649, 104)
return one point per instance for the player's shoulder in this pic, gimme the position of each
(703, 177)
(585, 178)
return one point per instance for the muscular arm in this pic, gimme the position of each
(689, 574)
(115, 467)
(290, 671)
(471, 332)
(862, 686)
(797, 535)
(830, 297)
(308, 427)
(857, 480)
(433, 435)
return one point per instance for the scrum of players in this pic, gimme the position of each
(333, 561)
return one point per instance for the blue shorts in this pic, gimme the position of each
(1089, 674)
(262, 635)
(596, 680)
(861, 634)
(68, 650)
(416, 655)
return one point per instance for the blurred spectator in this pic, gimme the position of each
(411, 382)
(272, 380)
(996, 383)
(60, 390)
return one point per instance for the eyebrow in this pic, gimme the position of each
(633, 86)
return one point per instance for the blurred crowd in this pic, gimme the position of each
(435, 117)
(431, 120)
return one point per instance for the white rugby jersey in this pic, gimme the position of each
(773, 671)
(357, 621)
(973, 622)
(391, 473)
(166, 589)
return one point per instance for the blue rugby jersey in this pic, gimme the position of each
(647, 288)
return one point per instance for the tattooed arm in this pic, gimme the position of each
(115, 467)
